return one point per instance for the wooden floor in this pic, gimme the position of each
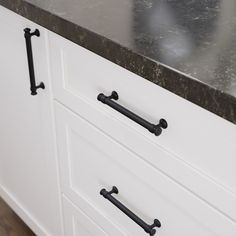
(11, 224)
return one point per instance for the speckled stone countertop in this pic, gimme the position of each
(187, 46)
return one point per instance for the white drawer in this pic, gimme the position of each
(78, 223)
(201, 144)
(91, 161)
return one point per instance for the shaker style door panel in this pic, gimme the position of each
(91, 161)
(77, 223)
(28, 171)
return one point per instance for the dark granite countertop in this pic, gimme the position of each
(187, 46)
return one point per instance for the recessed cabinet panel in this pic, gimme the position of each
(91, 161)
(77, 223)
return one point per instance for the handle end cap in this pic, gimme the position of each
(163, 123)
(114, 95)
(157, 223)
(115, 190)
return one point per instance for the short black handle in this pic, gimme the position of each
(155, 129)
(147, 228)
(28, 35)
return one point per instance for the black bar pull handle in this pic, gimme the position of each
(28, 35)
(147, 228)
(155, 129)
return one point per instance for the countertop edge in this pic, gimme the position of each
(211, 99)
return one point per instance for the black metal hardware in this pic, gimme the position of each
(155, 129)
(28, 35)
(147, 228)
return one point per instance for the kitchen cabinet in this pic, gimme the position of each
(178, 176)
(66, 147)
(28, 166)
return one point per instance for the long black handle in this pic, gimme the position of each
(147, 228)
(155, 129)
(28, 35)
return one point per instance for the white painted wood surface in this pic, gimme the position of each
(28, 167)
(77, 223)
(198, 137)
(91, 160)
(198, 148)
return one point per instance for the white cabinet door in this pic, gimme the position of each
(28, 168)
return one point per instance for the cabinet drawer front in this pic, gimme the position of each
(91, 161)
(195, 136)
(192, 137)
